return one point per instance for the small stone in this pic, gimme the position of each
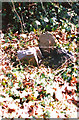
(30, 55)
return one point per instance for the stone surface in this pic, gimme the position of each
(46, 41)
(30, 56)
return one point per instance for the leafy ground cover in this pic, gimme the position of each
(27, 91)
(28, 16)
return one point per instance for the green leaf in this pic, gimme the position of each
(19, 83)
(14, 70)
(24, 99)
(9, 75)
(4, 14)
(6, 41)
(2, 96)
(42, 75)
(12, 84)
(3, 83)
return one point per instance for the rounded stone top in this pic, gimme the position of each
(46, 40)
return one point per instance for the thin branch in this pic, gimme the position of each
(60, 67)
(43, 8)
(17, 15)
(22, 20)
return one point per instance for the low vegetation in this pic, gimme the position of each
(29, 91)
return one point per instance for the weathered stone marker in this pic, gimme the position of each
(46, 42)
(52, 56)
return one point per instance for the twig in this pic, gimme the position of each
(61, 66)
(43, 7)
(17, 15)
(3, 58)
(23, 20)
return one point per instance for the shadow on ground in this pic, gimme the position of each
(55, 58)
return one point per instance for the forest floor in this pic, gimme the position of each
(28, 91)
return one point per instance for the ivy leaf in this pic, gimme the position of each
(9, 75)
(14, 70)
(6, 41)
(42, 75)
